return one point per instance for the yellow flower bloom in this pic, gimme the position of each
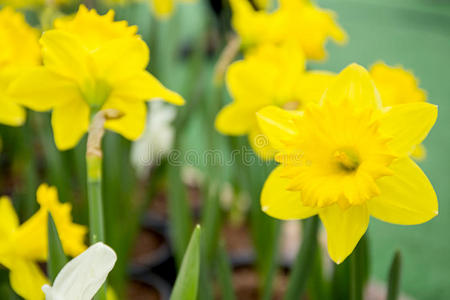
(398, 86)
(22, 246)
(346, 159)
(163, 9)
(269, 75)
(91, 63)
(29, 3)
(19, 50)
(296, 20)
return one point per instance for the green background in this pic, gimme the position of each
(415, 34)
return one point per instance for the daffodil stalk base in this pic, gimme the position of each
(94, 160)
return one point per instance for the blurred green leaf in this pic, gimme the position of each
(225, 275)
(394, 277)
(186, 284)
(359, 269)
(179, 213)
(56, 257)
(304, 261)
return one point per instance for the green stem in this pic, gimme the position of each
(94, 161)
(94, 188)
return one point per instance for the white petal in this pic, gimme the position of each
(82, 277)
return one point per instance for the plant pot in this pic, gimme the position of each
(152, 252)
(148, 287)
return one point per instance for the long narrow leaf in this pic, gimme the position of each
(225, 275)
(186, 284)
(394, 277)
(56, 257)
(304, 261)
(179, 213)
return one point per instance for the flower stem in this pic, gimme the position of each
(94, 159)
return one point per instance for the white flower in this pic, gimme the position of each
(82, 277)
(157, 139)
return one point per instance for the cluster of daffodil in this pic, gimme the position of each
(343, 141)
(90, 64)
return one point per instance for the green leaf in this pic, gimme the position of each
(179, 213)
(304, 261)
(359, 269)
(394, 277)
(186, 284)
(56, 257)
(225, 275)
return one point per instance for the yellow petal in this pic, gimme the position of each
(312, 86)
(235, 119)
(163, 8)
(260, 144)
(144, 86)
(355, 85)
(407, 197)
(11, 113)
(121, 58)
(27, 279)
(278, 124)
(408, 125)
(344, 227)
(70, 122)
(278, 202)
(132, 124)
(8, 218)
(41, 89)
(64, 54)
(252, 82)
(31, 236)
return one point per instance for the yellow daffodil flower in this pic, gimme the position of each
(29, 3)
(269, 75)
(22, 246)
(398, 86)
(296, 20)
(346, 159)
(163, 9)
(19, 51)
(91, 63)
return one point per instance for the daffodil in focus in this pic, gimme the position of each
(346, 159)
(82, 277)
(22, 246)
(91, 63)
(295, 20)
(269, 75)
(19, 51)
(398, 86)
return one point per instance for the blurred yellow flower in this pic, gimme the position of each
(346, 159)
(91, 63)
(19, 51)
(22, 246)
(296, 20)
(163, 9)
(29, 3)
(398, 86)
(269, 75)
